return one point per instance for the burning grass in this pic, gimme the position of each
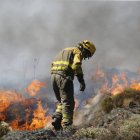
(24, 113)
(121, 123)
(128, 97)
(30, 114)
(112, 121)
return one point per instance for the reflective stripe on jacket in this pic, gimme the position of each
(68, 62)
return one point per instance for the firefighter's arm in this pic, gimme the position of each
(78, 71)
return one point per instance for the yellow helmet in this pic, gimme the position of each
(88, 45)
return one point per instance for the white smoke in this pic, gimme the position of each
(32, 29)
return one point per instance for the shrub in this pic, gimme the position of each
(118, 100)
(4, 128)
(107, 104)
(85, 133)
(94, 133)
(130, 129)
(126, 98)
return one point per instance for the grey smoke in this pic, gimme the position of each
(38, 29)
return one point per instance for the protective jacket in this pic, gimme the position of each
(68, 63)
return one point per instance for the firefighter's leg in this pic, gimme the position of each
(67, 100)
(57, 117)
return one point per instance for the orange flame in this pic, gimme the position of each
(34, 87)
(21, 113)
(7, 97)
(98, 74)
(115, 79)
(118, 84)
(39, 120)
(135, 85)
(123, 77)
(118, 89)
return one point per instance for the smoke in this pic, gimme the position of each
(36, 30)
(87, 111)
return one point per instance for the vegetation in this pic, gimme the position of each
(4, 128)
(107, 104)
(117, 119)
(94, 133)
(127, 98)
(129, 129)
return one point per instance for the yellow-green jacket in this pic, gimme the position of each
(68, 62)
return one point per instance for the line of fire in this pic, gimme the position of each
(30, 111)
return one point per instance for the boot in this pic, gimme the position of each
(56, 123)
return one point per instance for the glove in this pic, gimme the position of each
(82, 86)
(81, 81)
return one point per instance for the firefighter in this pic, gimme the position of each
(65, 66)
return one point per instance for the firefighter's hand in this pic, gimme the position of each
(82, 86)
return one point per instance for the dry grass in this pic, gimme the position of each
(129, 129)
(107, 104)
(94, 133)
(124, 99)
(4, 128)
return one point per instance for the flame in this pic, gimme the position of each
(98, 74)
(7, 97)
(34, 87)
(39, 120)
(124, 79)
(117, 84)
(135, 85)
(104, 88)
(33, 119)
(21, 113)
(32, 113)
(115, 79)
(118, 87)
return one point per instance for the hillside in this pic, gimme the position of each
(104, 117)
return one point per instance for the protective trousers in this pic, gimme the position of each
(64, 92)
